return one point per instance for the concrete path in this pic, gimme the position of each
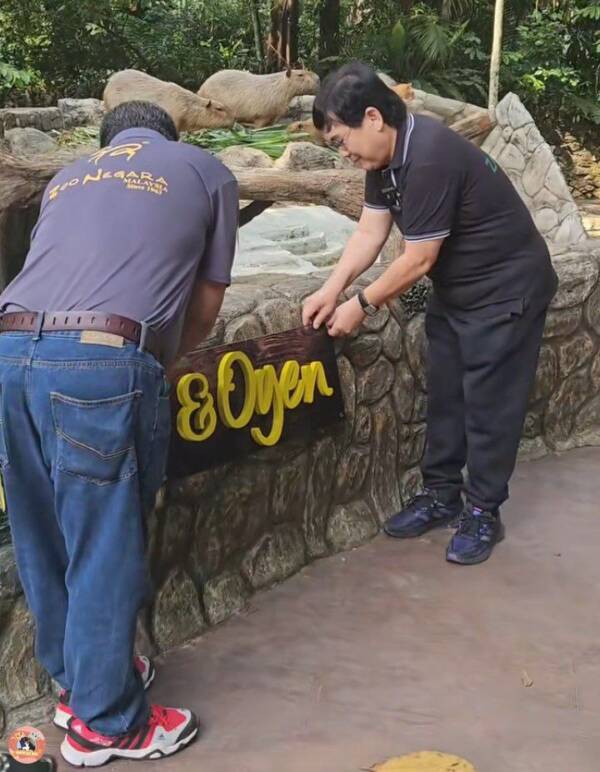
(389, 649)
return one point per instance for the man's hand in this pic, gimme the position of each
(346, 318)
(318, 307)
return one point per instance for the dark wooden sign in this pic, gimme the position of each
(235, 399)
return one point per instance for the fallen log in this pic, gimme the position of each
(22, 182)
(474, 127)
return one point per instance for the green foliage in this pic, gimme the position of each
(552, 63)
(272, 140)
(551, 50)
(12, 78)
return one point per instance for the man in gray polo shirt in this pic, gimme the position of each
(134, 247)
(466, 227)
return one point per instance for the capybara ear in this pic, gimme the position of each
(288, 72)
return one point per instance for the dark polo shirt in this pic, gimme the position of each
(128, 230)
(441, 186)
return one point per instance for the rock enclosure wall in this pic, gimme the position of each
(221, 535)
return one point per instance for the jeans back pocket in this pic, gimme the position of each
(96, 438)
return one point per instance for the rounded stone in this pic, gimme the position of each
(546, 375)
(510, 159)
(351, 473)
(224, 596)
(564, 406)
(546, 219)
(351, 525)
(363, 425)
(536, 169)
(275, 557)
(578, 275)
(403, 392)
(177, 616)
(562, 322)
(245, 327)
(416, 349)
(575, 352)
(364, 350)
(245, 158)
(391, 337)
(375, 382)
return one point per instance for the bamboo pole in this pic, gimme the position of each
(496, 56)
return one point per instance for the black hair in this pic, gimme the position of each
(348, 92)
(136, 115)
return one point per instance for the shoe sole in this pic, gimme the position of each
(101, 757)
(451, 557)
(61, 719)
(445, 522)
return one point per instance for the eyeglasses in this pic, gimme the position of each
(338, 142)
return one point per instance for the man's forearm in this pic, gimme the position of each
(400, 276)
(194, 332)
(360, 253)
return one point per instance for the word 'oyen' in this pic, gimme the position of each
(264, 392)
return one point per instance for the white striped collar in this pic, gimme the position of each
(396, 162)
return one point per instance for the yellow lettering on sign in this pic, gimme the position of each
(313, 376)
(292, 388)
(226, 386)
(197, 420)
(264, 393)
(268, 398)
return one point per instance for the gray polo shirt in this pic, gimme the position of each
(128, 230)
(441, 186)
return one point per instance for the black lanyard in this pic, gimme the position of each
(390, 190)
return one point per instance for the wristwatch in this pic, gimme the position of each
(368, 308)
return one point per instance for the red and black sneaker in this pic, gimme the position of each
(63, 713)
(166, 731)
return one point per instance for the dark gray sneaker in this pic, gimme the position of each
(422, 513)
(477, 534)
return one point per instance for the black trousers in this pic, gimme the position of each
(480, 371)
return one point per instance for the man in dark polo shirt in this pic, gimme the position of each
(128, 263)
(465, 227)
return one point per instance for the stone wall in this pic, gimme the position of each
(220, 536)
(67, 114)
(526, 157)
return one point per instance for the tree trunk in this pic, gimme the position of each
(339, 189)
(23, 181)
(446, 10)
(329, 29)
(258, 39)
(474, 127)
(496, 56)
(283, 38)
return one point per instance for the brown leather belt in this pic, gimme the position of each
(93, 321)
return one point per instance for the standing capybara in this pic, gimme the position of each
(188, 111)
(258, 100)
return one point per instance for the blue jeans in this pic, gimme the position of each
(84, 432)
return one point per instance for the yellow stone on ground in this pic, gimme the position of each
(425, 761)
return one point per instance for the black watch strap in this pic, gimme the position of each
(365, 305)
